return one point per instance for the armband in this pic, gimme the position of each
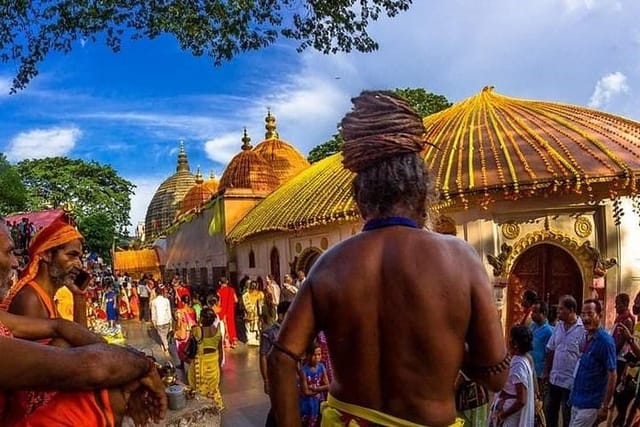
(487, 371)
(286, 351)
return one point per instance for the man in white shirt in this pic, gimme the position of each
(161, 317)
(274, 288)
(563, 352)
(301, 278)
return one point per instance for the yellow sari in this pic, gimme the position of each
(204, 371)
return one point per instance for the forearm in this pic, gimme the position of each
(263, 367)
(611, 385)
(284, 395)
(80, 309)
(75, 334)
(36, 366)
(515, 408)
(548, 363)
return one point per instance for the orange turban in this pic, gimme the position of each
(59, 232)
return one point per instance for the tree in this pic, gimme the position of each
(30, 30)
(99, 234)
(425, 103)
(87, 188)
(13, 197)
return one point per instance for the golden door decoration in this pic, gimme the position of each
(547, 269)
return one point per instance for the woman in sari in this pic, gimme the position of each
(204, 370)
(134, 301)
(252, 301)
(185, 320)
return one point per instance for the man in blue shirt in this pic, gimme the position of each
(595, 378)
(541, 331)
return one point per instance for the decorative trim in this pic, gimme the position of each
(498, 261)
(583, 227)
(510, 230)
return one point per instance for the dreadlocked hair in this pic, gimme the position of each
(381, 125)
(383, 137)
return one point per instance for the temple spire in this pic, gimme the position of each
(183, 162)
(270, 126)
(199, 179)
(246, 141)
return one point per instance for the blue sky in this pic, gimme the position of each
(130, 109)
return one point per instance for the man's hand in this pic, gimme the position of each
(266, 387)
(156, 396)
(603, 413)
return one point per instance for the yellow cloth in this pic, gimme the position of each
(64, 303)
(333, 409)
(204, 370)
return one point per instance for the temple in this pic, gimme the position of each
(545, 192)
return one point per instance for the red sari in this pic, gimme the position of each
(228, 311)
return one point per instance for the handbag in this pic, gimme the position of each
(191, 351)
(470, 395)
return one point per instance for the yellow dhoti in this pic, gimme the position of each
(336, 413)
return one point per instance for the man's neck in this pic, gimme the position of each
(44, 281)
(571, 320)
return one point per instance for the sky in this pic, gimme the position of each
(132, 108)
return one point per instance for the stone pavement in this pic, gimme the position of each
(242, 392)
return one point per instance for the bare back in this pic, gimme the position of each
(397, 305)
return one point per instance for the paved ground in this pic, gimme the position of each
(246, 403)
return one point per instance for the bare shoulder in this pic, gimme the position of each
(27, 303)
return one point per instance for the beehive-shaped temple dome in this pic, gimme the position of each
(249, 170)
(166, 201)
(198, 195)
(285, 159)
(491, 147)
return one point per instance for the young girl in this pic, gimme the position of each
(314, 385)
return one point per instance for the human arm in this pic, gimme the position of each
(520, 402)
(611, 363)
(487, 359)
(304, 384)
(265, 347)
(31, 328)
(325, 382)
(633, 344)
(27, 303)
(297, 331)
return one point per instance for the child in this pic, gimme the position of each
(314, 385)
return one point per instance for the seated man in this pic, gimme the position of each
(396, 302)
(80, 375)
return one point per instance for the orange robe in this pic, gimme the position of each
(52, 408)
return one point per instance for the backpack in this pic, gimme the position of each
(191, 351)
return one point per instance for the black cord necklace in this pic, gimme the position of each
(390, 221)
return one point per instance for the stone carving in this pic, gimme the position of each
(583, 227)
(498, 261)
(600, 264)
(510, 230)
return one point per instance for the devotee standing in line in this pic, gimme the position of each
(78, 373)
(542, 332)
(301, 278)
(143, 293)
(595, 378)
(383, 373)
(529, 298)
(161, 317)
(563, 352)
(267, 339)
(289, 290)
(228, 300)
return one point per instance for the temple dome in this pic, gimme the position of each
(166, 201)
(249, 170)
(490, 147)
(199, 194)
(320, 194)
(285, 159)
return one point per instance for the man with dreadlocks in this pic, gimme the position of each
(384, 372)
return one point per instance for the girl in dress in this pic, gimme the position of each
(314, 386)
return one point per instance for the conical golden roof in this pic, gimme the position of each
(198, 195)
(490, 147)
(249, 170)
(320, 194)
(285, 159)
(166, 200)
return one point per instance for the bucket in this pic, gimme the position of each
(176, 396)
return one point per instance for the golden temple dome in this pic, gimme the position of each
(166, 201)
(198, 195)
(285, 159)
(491, 147)
(249, 170)
(320, 194)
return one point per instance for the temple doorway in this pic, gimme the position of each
(549, 270)
(307, 259)
(275, 264)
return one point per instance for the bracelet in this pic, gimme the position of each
(490, 370)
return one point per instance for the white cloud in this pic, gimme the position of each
(146, 187)
(5, 86)
(608, 87)
(589, 5)
(40, 143)
(221, 149)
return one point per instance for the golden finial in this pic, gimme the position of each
(246, 141)
(270, 126)
(183, 162)
(199, 179)
(212, 175)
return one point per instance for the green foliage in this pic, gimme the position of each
(87, 188)
(30, 30)
(99, 234)
(13, 197)
(425, 103)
